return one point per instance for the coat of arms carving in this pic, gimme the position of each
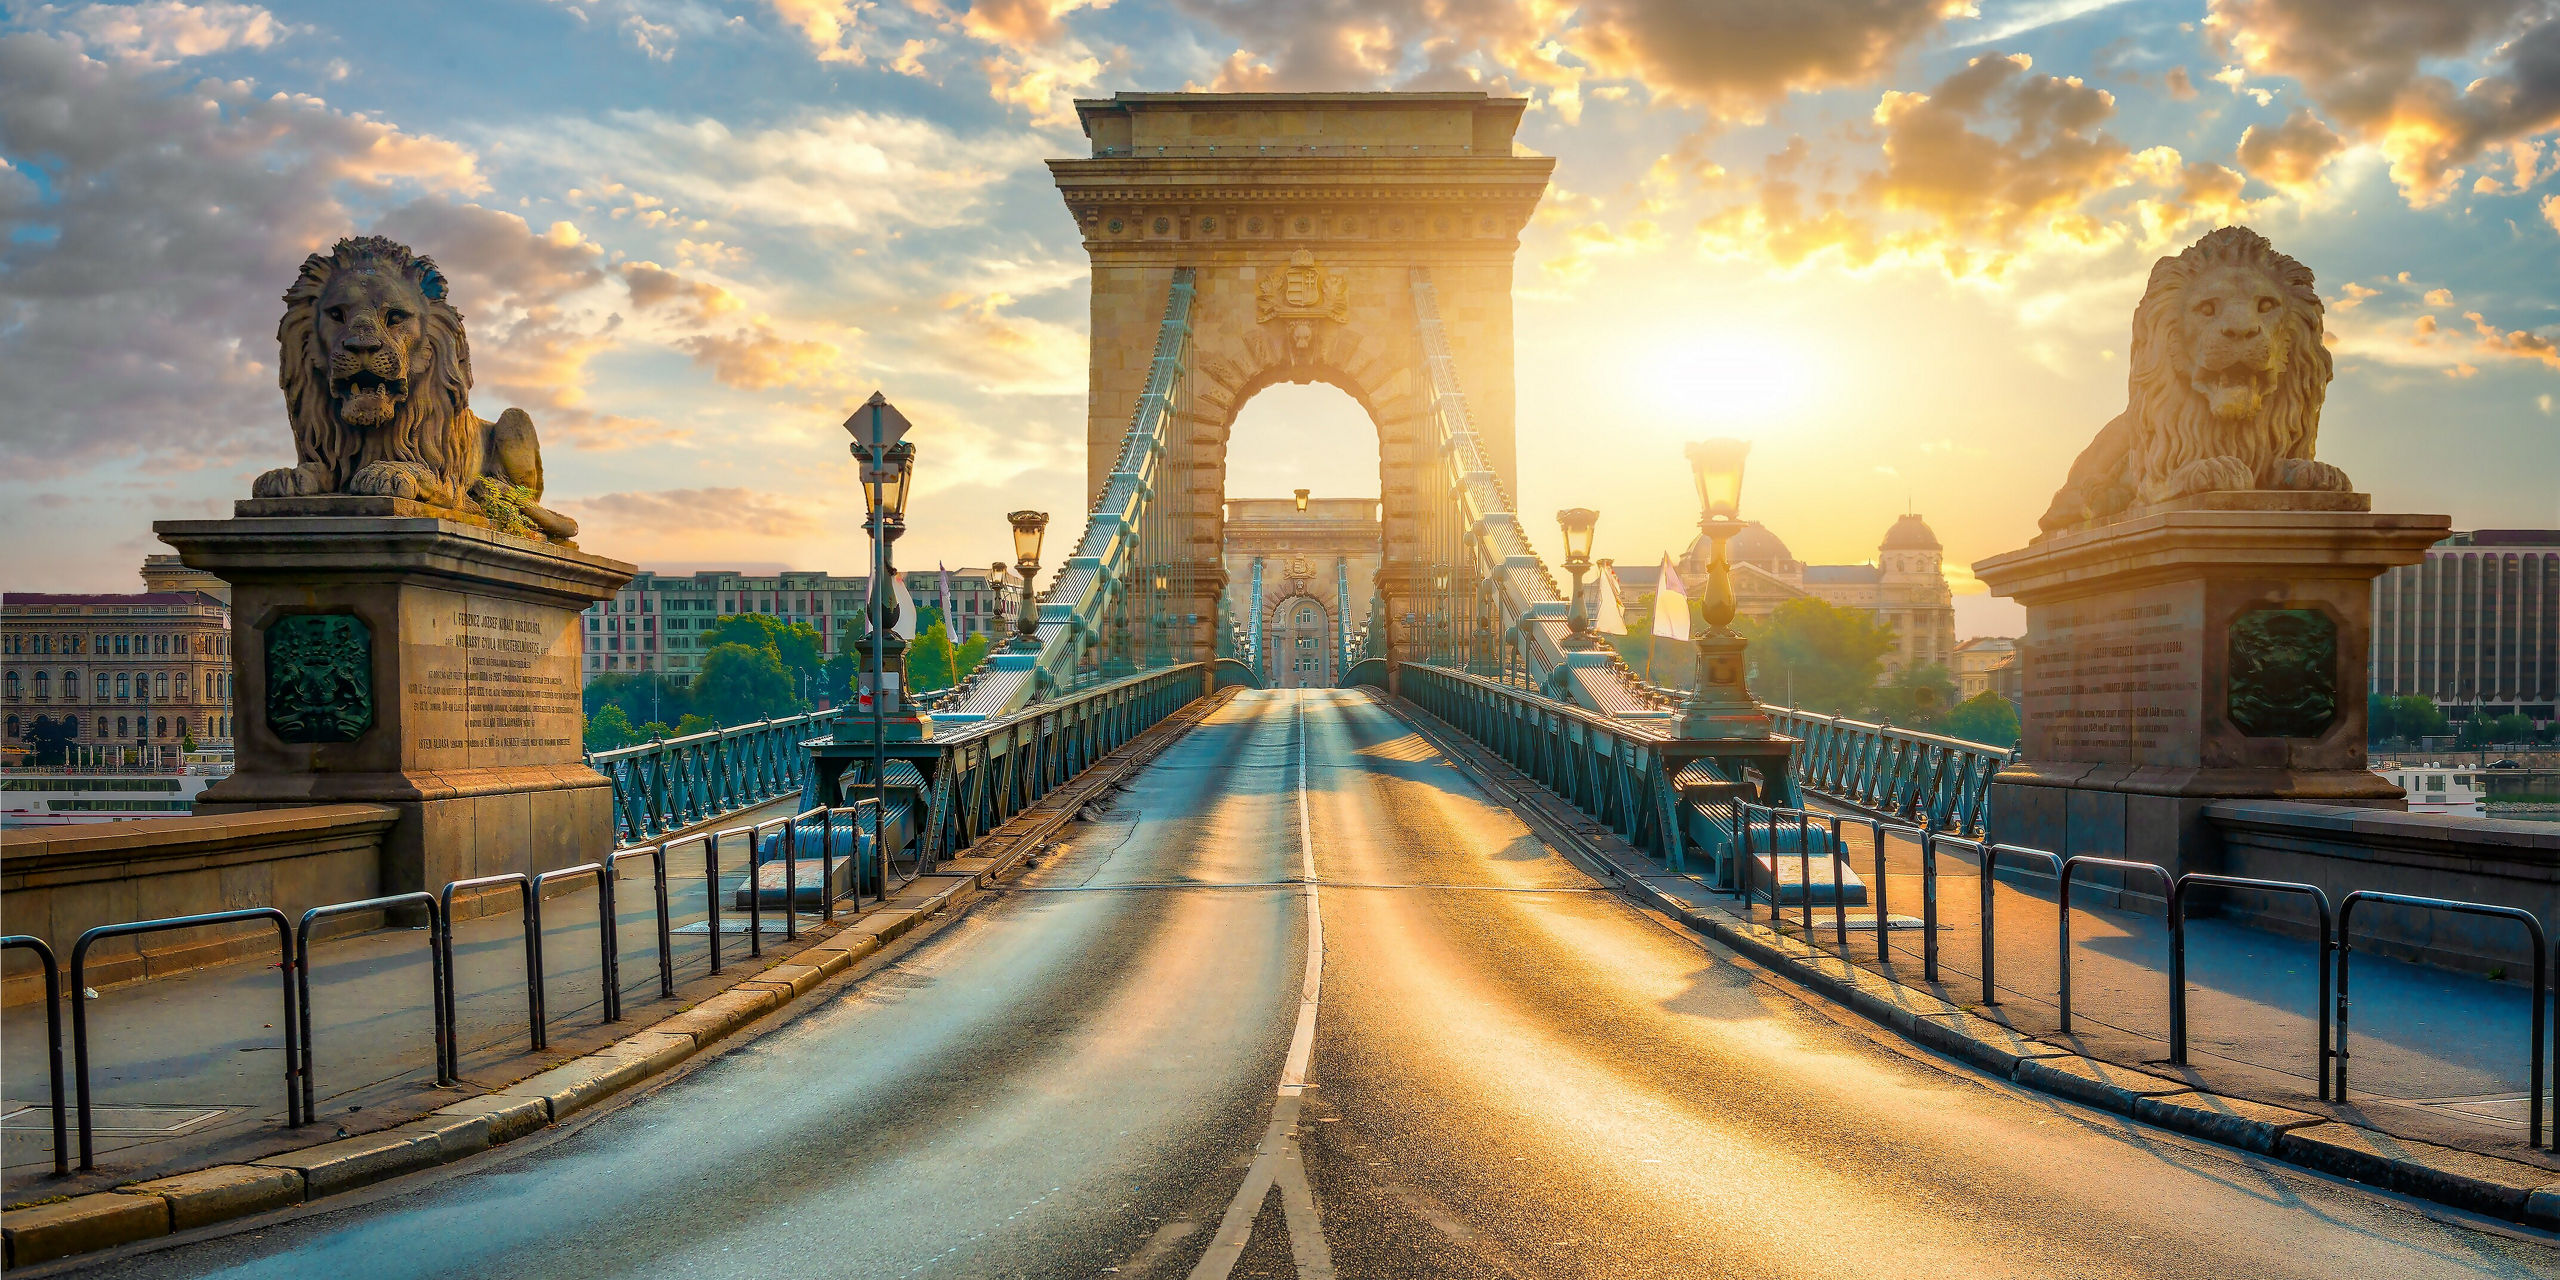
(1302, 291)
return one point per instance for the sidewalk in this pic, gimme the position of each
(2438, 1056)
(188, 1070)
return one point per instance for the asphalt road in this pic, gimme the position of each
(1122, 1067)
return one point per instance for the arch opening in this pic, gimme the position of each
(1301, 539)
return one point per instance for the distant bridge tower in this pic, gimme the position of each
(1308, 220)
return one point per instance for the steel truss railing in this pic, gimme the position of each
(1092, 592)
(1938, 782)
(1652, 789)
(987, 772)
(668, 785)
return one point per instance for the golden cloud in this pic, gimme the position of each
(2290, 155)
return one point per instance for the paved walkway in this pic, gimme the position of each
(188, 1070)
(2437, 1055)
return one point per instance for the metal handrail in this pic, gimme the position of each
(612, 961)
(446, 1050)
(790, 877)
(2071, 865)
(80, 1011)
(657, 855)
(2541, 981)
(53, 1038)
(532, 951)
(2178, 958)
(1990, 931)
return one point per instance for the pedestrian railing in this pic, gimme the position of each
(523, 885)
(673, 783)
(1928, 779)
(2070, 869)
(53, 1041)
(80, 1007)
(447, 1052)
(2183, 893)
(2541, 979)
(610, 963)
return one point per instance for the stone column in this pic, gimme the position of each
(2205, 649)
(386, 655)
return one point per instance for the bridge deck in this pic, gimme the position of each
(1507, 1070)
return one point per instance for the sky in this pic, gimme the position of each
(1895, 243)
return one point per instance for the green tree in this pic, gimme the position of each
(1829, 655)
(931, 659)
(693, 724)
(1914, 698)
(2481, 731)
(741, 683)
(796, 645)
(967, 657)
(609, 728)
(2407, 717)
(1986, 718)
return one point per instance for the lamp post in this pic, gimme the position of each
(1719, 704)
(1302, 502)
(1578, 522)
(1028, 526)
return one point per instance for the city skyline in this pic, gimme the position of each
(1894, 247)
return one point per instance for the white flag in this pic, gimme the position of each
(1613, 615)
(944, 589)
(1671, 605)
(906, 628)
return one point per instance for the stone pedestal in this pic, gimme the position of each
(2213, 648)
(383, 655)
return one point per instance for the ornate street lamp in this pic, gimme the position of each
(1302, 501)
(1578, 522)
(1719, 705)
(1028, 526)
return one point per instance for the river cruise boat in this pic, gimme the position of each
(2453, 791)
(60, 797)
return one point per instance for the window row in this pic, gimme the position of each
(121, 686)
(126, 728)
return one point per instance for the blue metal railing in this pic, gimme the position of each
(668, 785)
(1941, 783)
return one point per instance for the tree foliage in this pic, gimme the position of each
(1829, 655)
(796, 645)
(932, 662)
(1986, 718)
(609, 728)
(742, 683)
(2408, 717)
(966, 659)
(1914, 698)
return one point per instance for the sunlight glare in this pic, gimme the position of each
(1726, 378)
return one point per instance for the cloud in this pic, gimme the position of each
(829, 27)
(653, 286)
(1002, 353)
(2513, 344)
(852, 171)
(139, 281)
(2363, 62)
(717, 510)
(166, 30)
(1020, 22)
(755, 357)
(2353, 296)
(2181, 85)
(1042, 82)
(2551, 211)
(1736, 59)
(2290, 155)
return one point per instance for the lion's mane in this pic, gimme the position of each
(433, 425)
(2176, 425)
(2168, 425)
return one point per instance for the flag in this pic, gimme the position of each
(1671, 605)
(906, 628)
(947, 625)
(1613, 615)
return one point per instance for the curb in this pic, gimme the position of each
(2467, 1180)
(148, 1210)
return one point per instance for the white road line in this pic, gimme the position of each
(1277, 1159)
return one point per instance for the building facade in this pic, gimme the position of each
(1904, 590)
(117, 674)
(1979, 662)
(656, 623)
(1308, 562)
(2475, 627)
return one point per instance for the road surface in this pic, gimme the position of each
(1127, 1065)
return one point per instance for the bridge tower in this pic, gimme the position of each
(1303, 218)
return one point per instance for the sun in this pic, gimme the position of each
(1724, 378)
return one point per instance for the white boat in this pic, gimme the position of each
(2449, 790)
(60, 797)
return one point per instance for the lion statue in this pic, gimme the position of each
(377, 383)
(2228, 373)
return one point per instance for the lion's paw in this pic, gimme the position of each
(2307, 474)
(2207, 475)
(393, 480)
(285, 482)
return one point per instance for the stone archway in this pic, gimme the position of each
(1298, 634)
(1303, 218)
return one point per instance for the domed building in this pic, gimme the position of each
(1905, 589)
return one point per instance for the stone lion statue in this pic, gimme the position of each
(2228, 372)
(376, 375)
